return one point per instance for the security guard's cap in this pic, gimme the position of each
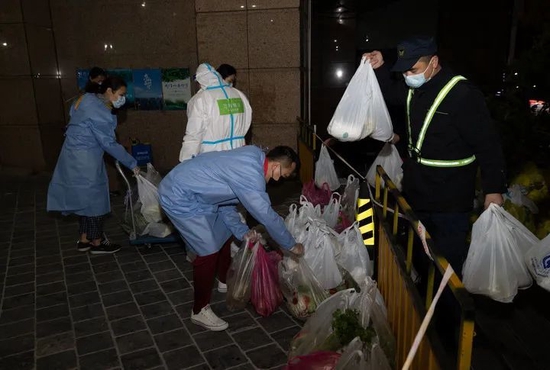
(410, 50)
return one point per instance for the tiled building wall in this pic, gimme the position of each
(42, 43)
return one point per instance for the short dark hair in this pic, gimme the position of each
(226, 70)
(284, 155)
(113, 82)
(95, 72)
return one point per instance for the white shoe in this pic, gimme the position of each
(222, 288)
(208, 319)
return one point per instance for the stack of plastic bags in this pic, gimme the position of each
(349, 331)
(254, 276)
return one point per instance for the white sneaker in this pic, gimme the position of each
(222, 288)
(208, 319)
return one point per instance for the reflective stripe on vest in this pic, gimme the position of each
(427, 120)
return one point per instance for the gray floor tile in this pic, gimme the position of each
(22, 361)
(91, 326)
(190, 356)
(52, 312)
(122, 311)
(156, 309)
(58, 361)
(107, 359)
(128, 325)
(143, 359)
(252, 338)
(94, 343)
(211, 340)
(277, 321)
(164, 323)
(267, 357)
(134, 341)
(172, 340)
(19, 344)
(54, 344)
(87, 312)
(57, 326)
(168, 275)
(16, 329)
(225, 357)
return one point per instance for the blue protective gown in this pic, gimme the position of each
(79, 184)
(199, 196)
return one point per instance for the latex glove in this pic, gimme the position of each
(136, 171)
(493, 198)
(375, 58)
(297, 250)
(252, 236)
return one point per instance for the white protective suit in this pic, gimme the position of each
(219, 116)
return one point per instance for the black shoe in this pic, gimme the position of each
(82, 247)
(106, 247)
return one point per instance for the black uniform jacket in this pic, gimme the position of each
(460, 128)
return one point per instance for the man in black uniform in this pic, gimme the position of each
(450, 134)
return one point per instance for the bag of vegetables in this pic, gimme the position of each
(341, 318)
(239, 276)
(300, 288)
(266, 293)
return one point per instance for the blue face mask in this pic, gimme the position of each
(417, 80)
(119, 102)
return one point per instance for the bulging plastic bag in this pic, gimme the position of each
(362, 111)
(266, 293)
(538, 262)
(325, 172)
(239, 276)
(352, 254)
(301, 290)
(319, 250)
(391, 162)
(495, 264)
(332, 210)
(149, 198)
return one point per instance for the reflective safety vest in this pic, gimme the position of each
(415, 151)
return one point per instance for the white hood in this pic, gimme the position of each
(207, 76)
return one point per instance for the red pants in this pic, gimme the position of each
(205, 270)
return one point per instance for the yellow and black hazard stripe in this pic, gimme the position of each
(365, 215)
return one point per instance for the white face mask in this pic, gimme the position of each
(417, 80)
(119, 102)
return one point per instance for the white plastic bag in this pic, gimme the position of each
(538, 262)
(495, 264)
(319, 255)
(352, 254)
(391, 162)
(325, 172)
(330, 213)
(362, 111)
(152, 175)
(149, 198)
(158, 229)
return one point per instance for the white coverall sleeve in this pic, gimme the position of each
(232, 220)
(247, 112)
(197, 119)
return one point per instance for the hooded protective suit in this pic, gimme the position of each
(79, 184)
(199, 196)
(219, 116)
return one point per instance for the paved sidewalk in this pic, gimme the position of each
(62, 309)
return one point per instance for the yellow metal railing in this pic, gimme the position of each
(406, 309)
